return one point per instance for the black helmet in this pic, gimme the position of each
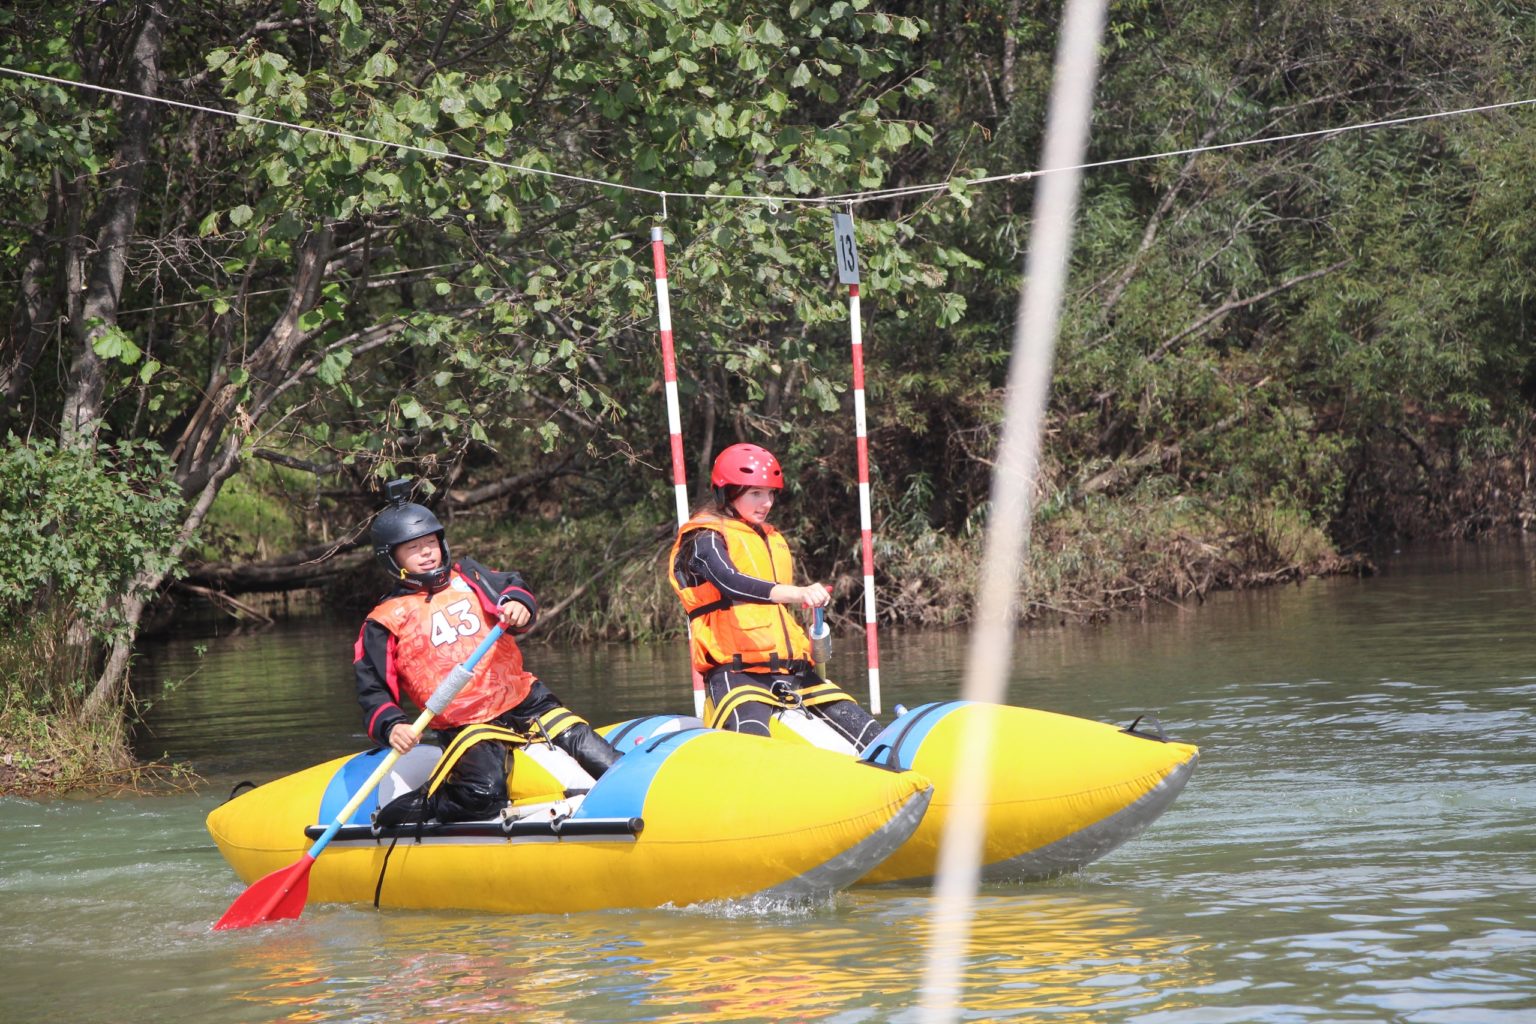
(399, 522)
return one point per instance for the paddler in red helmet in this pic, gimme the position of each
(735, 577)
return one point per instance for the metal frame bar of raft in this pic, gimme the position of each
(521, 828)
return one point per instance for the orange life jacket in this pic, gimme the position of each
(433, 634)
(762, 635)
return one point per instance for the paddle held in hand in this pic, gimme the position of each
(281, 895)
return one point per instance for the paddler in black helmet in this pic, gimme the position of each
(735, 577)
(434, 617)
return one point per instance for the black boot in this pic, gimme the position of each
(595, 754)
(413, 808)
(459, 801)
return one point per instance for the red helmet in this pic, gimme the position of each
(747, 465)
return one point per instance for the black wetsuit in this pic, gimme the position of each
(477, 787)
(702, 558)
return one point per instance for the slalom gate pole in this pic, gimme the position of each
(674, 418)
(848, 273)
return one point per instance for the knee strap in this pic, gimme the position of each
(745, 693)
(823, 693)
(467, 738)
(557, 720)
(809, 696)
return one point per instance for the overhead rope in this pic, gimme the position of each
(331, 133)
(772, 201)
(909, 190)
(393, 277)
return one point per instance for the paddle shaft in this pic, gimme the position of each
(440, 699)
(285, 881)
(821, 642)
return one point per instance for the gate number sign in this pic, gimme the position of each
(847, 250)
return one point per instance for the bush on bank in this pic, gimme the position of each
(80, 524)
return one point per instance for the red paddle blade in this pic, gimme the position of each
(279, 896)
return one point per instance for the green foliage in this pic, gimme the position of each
(1285, 320)
(255, 516)
(48, 748)
(607, 565)
(82, 526)
(519, 307)
(1264, 335)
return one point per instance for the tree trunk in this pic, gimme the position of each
(107, 695)
(268, 366)
(209, 452)
(35, 318)
(1010, 52)
(94, 275)
(112, 227)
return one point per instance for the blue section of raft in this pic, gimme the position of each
(627, 735)
(348, 781)
(621, 792)
(898, 743)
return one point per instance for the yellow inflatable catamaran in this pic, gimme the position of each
(1060, 791)
(688, 815)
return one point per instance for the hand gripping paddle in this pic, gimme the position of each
(281, 895)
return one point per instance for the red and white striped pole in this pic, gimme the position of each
(848, 273)
(674, 418)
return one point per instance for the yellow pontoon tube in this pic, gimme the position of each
(1060, 791)
(688, 815)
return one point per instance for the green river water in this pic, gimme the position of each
(1358, 844)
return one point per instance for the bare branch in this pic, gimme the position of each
(1236, 304)
(303, 465)
(461, 499)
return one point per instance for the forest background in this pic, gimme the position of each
(224, 334)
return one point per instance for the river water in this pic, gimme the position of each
(1358, 844)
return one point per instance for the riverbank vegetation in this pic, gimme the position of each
(1272, 355)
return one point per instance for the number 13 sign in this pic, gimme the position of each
(847, 249)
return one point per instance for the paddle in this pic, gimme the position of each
(281, 895)
(821, 642)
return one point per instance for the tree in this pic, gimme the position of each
(1272, 327)
(436, 276)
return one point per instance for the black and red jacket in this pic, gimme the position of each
(373, 656)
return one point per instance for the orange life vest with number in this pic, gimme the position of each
(435, 633)
(763, 635)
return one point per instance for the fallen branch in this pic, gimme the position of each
(1151, 455)
(490, 492)
(612, 563)
(1236, 304)
(310, 567)
(236, 608)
